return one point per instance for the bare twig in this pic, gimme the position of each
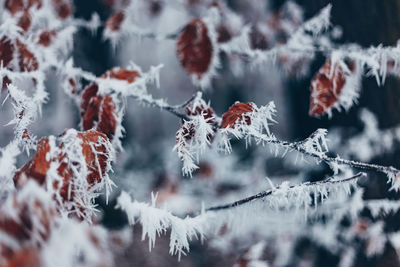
(171, 109)
(297, 146)
(269, 192)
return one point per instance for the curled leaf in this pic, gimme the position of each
(236, 114)
(334, 85)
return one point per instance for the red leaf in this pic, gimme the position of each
(15, 6)
(26, 60)
(96, 155)
(205, 110)
(114, 22)
(28, 257)
(63, 8)
(6, 51)
(94, 150)
(194, 48)
(235, 114)
(326, 88)
(47, 37)
(98, 111)
(25, 21)
(29, 215)
(121, 74)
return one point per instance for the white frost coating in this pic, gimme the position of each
(372, 141)
(192, 139)
(7, 168)
(260, 120)
(32, 201)
(81, 193)
(118, 89)
(194, 136)
(318, 23)
(26, 110)
(211, 21)
(352, 86)
(156, 222)
(77, 244)
(317, 143)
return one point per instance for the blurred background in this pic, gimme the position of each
(369, 132)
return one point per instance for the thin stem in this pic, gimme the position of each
(269, 192)
(172, 109)
(355, 164)
(297, 146)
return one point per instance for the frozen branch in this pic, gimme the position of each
(330, 181)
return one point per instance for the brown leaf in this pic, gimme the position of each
(235, 114)
(205, 110)
(25, 21)
(98, 111)
(15, 6)
(94, 150)
(46, 37)
(326, 88)
(27, 257)
(63, 8)
(194, 48)
(121, 74)
(26, 59)
(6, 51)
(114, 22)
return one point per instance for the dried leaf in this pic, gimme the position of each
(25, 21)
(236, 113)
(121, 74)
(46, 37)
(94, 150)
(98, 111)
(327, 87)
(15, 6)
(114, 22)
(63, 8)
(26, 59)
(195, 49)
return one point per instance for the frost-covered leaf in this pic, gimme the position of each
(156, 221)
(236, 114)
(46, 37)
(121, 74)
(114, 22)
(197, 50)
(192, 139)
(73, 170)
(196, 134)
(335, 85)
(27, 219)
(98, 111)
(15, 6)
(63, 8)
